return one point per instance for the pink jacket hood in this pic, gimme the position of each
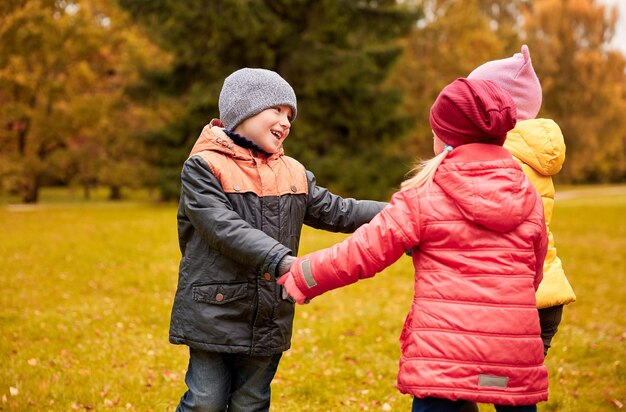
(498, 198)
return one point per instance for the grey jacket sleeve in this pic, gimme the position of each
(211, 213)
(330, 212)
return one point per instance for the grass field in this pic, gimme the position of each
(86, 290)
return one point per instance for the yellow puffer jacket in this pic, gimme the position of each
(538, 145)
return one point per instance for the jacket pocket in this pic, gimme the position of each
(219, 294)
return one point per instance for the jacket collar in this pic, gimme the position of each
(213, 138)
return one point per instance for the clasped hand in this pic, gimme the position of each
(292, 289)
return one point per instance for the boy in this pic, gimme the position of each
(242, 207)
(539, 148)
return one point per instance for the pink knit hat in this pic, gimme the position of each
(517, 76)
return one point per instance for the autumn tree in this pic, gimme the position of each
(583, 84)
(63, 68)
(505, 20)
(451, 39)
(335, 54)
(582, 77)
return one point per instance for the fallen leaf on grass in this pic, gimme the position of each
(105, 391)
(170, 376)
(349, 360)
(149, 380)
(13, 391)
(616, 403)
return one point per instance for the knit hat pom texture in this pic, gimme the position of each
(517, 76)
(472, 111)
(249, 91)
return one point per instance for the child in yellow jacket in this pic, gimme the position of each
(538, 146)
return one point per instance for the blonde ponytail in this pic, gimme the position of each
(424, 172)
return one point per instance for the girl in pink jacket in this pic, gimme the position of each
(476, 229)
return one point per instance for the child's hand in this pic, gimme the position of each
(290, 286)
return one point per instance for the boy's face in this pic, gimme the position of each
(267, 129)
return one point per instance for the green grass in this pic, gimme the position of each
(86, 290)
(75, 194)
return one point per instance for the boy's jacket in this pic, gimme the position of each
(538, 146)
(239, 215)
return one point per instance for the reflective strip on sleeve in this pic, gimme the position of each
(307, 274)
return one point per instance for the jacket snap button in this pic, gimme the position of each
(237, 187)
(267, 277)
(294, 189)
(219, 297)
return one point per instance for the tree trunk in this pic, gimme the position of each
(31, 190)
(86, 191)
(115, 193)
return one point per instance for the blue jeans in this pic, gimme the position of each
(220, 381)
(446, 405)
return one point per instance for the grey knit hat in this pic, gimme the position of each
(247, 92)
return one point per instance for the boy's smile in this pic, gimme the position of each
(267, 129)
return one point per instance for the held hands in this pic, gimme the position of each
(290, 286)
(285, 277)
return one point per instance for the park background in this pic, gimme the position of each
(101, 101)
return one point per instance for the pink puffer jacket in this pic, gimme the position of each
(479, 241)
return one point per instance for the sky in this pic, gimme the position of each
(620, 30)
